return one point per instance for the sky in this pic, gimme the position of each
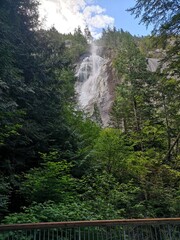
(66, 15)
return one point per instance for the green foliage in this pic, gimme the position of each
(8, 128)
(166, 26)
(5, 190)
(62, 166)
(49, 211)
(161, 190)
(52, 181)
(84, 133)
(127, 196)
(111, 38)
(151, 46)
(129, 60)
(110, 152)
(36, 83)
(105, 193)
(76, 45)
(134, 91)
(156, 12)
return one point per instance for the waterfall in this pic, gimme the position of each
(92, 85)
(153, 64)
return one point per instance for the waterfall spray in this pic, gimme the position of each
(92, 85)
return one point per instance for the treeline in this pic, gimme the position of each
(36, 86)
(54, 164)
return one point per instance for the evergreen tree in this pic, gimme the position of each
(36, 80)
(165, 17)
(134, 90)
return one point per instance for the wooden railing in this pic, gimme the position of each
(123, 229)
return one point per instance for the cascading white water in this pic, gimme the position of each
(88, 73)
(153, 64)
(92, 85)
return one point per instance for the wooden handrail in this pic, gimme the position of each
(71, 224)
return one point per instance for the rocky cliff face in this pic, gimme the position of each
(96, 83)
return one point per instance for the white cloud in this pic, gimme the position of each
(99, 20)
(66, 15)
(93, 9)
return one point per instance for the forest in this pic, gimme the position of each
(58, 165)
